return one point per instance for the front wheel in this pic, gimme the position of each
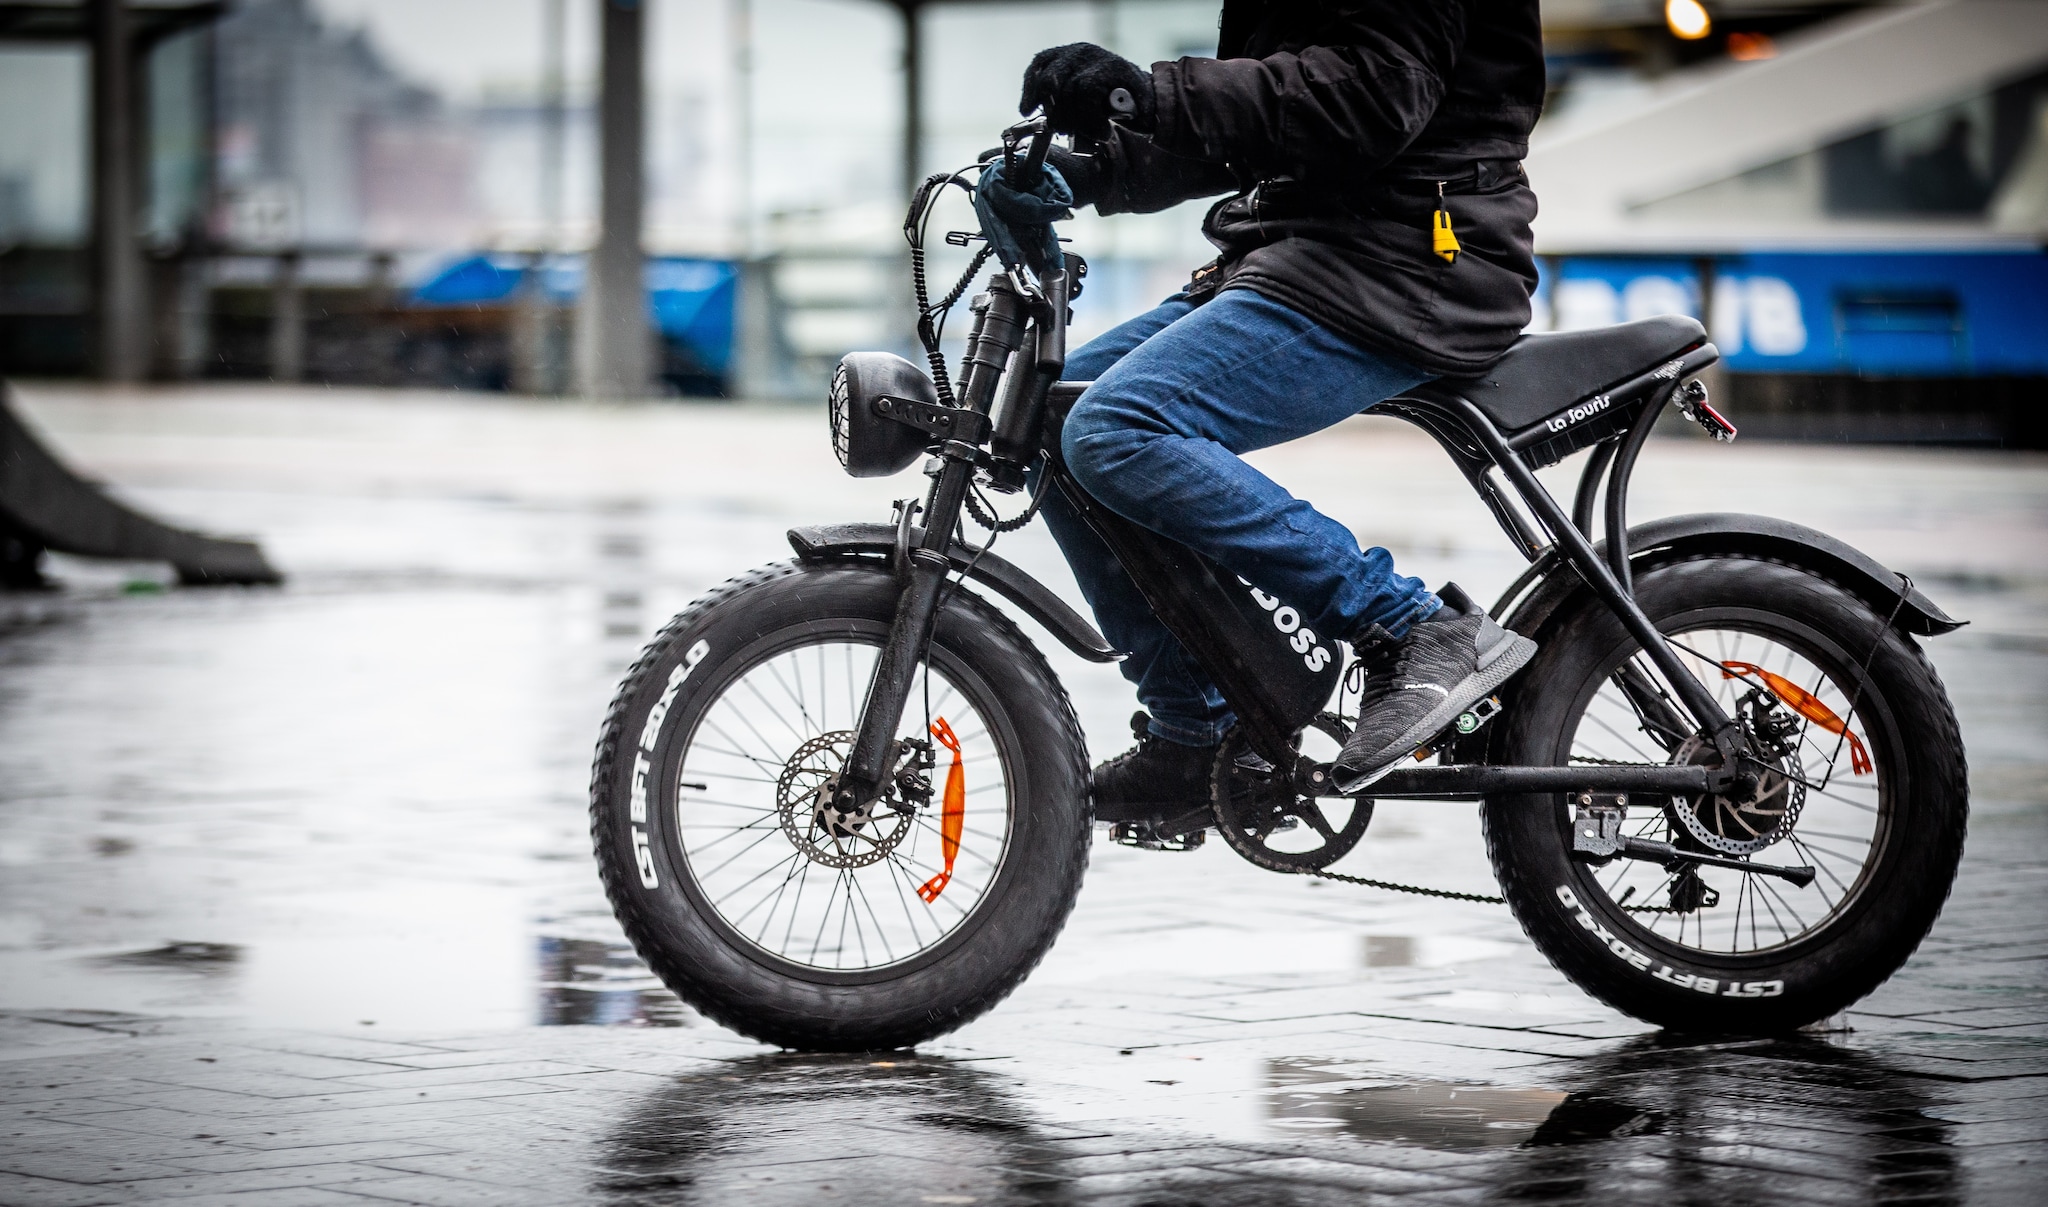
(801, 925)
(1876, 805)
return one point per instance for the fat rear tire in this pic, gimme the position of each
(714, 969)
(1923, 791)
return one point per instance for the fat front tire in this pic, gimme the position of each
(783, 924)
(1727, 952)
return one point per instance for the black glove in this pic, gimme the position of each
(1074, 83)
(1086, 175)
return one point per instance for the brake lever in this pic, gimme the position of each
(1025, 176)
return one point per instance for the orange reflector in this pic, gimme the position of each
(953, 813)
(1807, 705)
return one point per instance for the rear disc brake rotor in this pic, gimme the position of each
(829, 835)
(1737, 827)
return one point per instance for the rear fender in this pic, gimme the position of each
(825, 541)
(1545, 589)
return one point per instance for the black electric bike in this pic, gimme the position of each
(841, 802)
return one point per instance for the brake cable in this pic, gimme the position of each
(931, 320)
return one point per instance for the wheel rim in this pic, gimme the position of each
(1819, 813)
(825, 893)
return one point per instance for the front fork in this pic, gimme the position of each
(1000, 328)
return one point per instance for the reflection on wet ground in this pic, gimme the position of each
(587, 982)
(287, 878)
(1313, 1094)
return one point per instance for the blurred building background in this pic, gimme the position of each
(1854, 196)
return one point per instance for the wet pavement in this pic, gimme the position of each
(296, 904)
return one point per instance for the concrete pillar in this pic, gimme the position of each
(614, 344)
(535, 355)
(287, 321)
(913, 96)
(120, 282)
(533, 320)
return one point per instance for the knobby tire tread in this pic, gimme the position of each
(1932, 726)
(620, 879)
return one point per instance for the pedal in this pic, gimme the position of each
(1160, 834)
(1464, 725)
(1479, 714)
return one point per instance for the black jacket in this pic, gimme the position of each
(1333, 121)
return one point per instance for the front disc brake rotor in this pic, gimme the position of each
(828, 834)
(1255, 802)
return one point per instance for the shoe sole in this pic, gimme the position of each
(1500, 665)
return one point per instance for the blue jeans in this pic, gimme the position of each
(1179, 393)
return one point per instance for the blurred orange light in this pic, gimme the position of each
(1748, 48)
(1687, 19)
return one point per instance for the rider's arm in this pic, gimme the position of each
(1141, 178)
(1352, 102)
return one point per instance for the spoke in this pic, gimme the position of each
(779, 713)
(727, 775)
(1780, 899)
(881, 935)
(743, 850)
(789, 932)
(1837, 837)
(1842, 800)
(1735, 930)
(1802, 848)
(795, 696)
(901, 880)
(795, 865)
(730, 831)
(1628, 743)
(741, 888)
(767, 764)
(1851, 860)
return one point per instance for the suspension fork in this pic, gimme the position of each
(999, 328)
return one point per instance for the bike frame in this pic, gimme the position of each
(1011, 390)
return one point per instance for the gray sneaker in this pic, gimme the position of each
(1417, 686)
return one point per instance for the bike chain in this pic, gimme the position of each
(1446, 894)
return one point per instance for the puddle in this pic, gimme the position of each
(1426, 951)
(205, 959)
(585, 982)
(1308, 1094)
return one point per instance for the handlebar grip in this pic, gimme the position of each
(1121, 100)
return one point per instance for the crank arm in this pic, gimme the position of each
(1673, 859)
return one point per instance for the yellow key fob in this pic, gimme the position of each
(1442, 240)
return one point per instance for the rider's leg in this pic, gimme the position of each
(1185, 707)
(1168, 771)
(1157, 438)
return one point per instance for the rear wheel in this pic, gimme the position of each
(801, 925)
(1877, 811)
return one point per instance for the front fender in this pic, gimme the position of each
(1548, 584)
(823, 541)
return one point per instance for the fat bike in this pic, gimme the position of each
(841, 802)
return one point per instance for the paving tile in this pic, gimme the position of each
(17, 1190)
(1938, 1093)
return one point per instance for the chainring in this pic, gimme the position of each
(830, 836)
(1253, 801)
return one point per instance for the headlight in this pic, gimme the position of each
(867, 445)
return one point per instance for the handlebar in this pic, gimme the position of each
(1026, 176)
